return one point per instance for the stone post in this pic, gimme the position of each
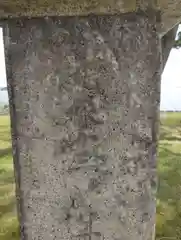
(84, 95)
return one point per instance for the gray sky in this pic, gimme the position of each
(171, 82)
(171, 78)
(2, 62)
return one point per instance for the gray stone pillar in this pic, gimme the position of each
(84, 94)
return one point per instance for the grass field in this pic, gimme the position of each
(169, 169)
(8, 219)
(169, 188)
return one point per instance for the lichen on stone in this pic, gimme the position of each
(66, 7)
(170, 9)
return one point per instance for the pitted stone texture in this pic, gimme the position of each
(84, 98)
(72, 7)
(169, 10)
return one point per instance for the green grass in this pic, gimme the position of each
(168, 225)
(8, 215)
(169, 171)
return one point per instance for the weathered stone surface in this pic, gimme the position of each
(170, 9)
(170, 15)
(84, 96)
(71, 7)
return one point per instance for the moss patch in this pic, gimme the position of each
(66, 7)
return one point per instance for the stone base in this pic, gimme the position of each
(84, 95)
